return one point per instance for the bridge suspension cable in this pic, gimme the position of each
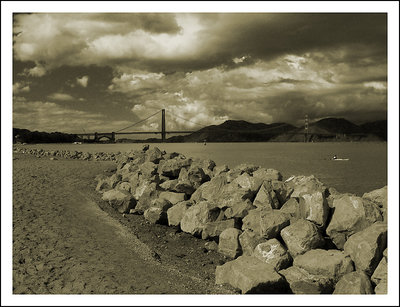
(141, 121)
(187, 120)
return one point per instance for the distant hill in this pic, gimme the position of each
(327, 129)
(29, 137)
(378, 128)
(336, 129)
(235, 131)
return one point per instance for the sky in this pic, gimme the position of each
(86, 72)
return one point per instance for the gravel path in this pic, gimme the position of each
(64, 243)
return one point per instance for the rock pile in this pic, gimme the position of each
(67, 154)
(294, 236)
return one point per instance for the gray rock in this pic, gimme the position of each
(239, 209)
(352, 214)
(250, 275)
(229, 245)
(354, 283)
(176, 213)
(211, 246)
(314, 208)
(198, 215)
(366, 247)
(169, 185)
(301, 236)
(302, 282)
(147, 196)
(266, 197)
(306, 185)
(249, 240)
(329, 263)
(210, 190)
(171, 168)
(266, 222)
(220, 169)
(214, 229)
(273, 253)
(292, 207)
(154, 155)
(173, 197)
(148, 169)
(379, 197)
(267, 174)
(248, 182)
(120, 200)
(381, 288)
(380, 273)
(155, 215)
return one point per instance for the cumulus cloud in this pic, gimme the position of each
(20, 87)
(61, 97)
(34, 115)
(189, 41)
(83, 81)
(37, 71)
(206, 68)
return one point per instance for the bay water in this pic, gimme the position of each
(365, 170)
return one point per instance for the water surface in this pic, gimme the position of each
(366, 170)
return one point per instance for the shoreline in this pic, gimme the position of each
(62, 244)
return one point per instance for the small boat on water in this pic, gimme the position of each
(341, 159)
(77, 143)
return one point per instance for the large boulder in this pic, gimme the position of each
(214, 229)
(154, 155)
(266, 197)
(273, 253)
(250, 275)
(267, 174)
(229, 244)
(379, 197)
(248, 182)
(302, 282)
(148, 169)
(292, 207)
(173, 197)
(169, 185)
(239, 209)
(380, 273)
(266, 222)
(249, 240)
(176, 212)
(120, 200)
(314, 208)
(329, 263)
(210, 190)
(354, 283)
(366, 247)
(301, 236)
(305, 185)
(148, 194)
(381, 288)
(155, 215)
(196, 217)
(351, 214)
(171, 168)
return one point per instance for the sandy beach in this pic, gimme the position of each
(67, 241)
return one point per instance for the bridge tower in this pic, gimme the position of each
(306, 128)
(163, 125)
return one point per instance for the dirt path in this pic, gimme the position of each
(64, 243)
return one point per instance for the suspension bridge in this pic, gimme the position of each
(111, 136)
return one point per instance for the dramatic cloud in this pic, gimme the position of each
(61, 97)
(83, 81)
(204, 68)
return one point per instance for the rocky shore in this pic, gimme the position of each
(295, 236)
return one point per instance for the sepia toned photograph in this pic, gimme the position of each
(217, 153)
